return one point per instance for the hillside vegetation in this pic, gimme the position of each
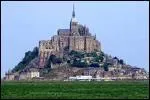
(29, 56)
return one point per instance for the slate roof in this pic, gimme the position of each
(61, 31)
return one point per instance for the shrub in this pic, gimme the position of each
(94, 65)
(78, 63)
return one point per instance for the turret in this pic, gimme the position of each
(73, 24)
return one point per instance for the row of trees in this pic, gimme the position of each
(30, 55)
(78, 63)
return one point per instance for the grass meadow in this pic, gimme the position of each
(74, 90)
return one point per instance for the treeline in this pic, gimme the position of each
(77, 60)
(30, 55)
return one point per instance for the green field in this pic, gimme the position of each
(75, 90)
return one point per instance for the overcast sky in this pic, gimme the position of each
(121, 27)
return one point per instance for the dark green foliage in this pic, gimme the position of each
(78, 63)
(64, 58)
(102, 53)
(105, 66)
(94, 65)
(101, 58)
(30, 55)
(76, 54)
(35, 51)
(96, 59)
(72, 52)
(93, 54)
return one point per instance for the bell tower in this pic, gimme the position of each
(74, 24)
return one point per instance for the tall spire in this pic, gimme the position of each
(73, 13)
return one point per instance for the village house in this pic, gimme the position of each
(9, 76)
(26, 74)
(29, 74)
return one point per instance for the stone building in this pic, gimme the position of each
(9, 76)
(77, 38)
(29, 74)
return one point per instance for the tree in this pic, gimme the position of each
(94, 65)
(102, 53)
(97, 58)
(29, 55)
(101, 58)
(76, 54)
(35, 51)
(105, 66)
(78, 63)
(93, 54)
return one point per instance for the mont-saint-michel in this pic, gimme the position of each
(73, 54)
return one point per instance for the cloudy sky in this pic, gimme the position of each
(121, 27)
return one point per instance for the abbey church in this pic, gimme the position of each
(77, 37)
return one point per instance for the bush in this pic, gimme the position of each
(94, 65)
(93, 54)
(78, 63)
(105, 66)
(102, 53)
(76, 54)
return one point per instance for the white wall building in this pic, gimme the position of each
(31, 73)
(9, 77)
